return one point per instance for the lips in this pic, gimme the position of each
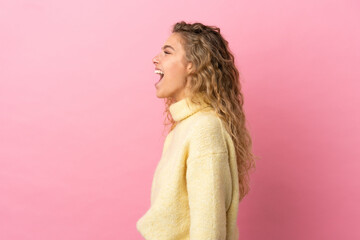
(159, 71)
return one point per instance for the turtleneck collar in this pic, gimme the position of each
(185, 108)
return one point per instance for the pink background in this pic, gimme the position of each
(81, 126)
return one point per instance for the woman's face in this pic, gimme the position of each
(171, 61)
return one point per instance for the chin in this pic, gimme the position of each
(159, 95)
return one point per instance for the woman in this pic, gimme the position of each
(203, 171)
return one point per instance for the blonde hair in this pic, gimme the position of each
(215, 80)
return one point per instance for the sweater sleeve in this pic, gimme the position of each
(208, 182)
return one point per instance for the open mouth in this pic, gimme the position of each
(161, 73)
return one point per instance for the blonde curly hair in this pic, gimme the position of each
(215, 80)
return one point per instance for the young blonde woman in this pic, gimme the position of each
(203, 172)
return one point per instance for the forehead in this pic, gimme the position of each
(174, 40)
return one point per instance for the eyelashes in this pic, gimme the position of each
(166, 52)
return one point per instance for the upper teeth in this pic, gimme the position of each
(159, 72)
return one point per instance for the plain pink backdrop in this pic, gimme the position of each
(81, 126)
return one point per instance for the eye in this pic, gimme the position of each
(166, 52)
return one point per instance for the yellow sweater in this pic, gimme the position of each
(195, 189)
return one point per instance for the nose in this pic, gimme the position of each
(155, 59)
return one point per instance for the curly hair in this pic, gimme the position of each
(215, 80)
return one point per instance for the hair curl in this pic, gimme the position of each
(215, 80)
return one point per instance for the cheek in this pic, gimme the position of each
(176, 67)
(177, 71)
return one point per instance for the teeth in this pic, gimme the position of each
(159, 72)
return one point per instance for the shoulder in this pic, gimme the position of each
(205, 123)
(207, 134)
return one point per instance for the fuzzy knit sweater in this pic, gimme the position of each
(195, 190)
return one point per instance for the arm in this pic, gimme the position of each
(208, 182)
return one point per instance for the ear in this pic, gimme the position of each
(189, 67)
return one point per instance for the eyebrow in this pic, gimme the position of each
(167, 46)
